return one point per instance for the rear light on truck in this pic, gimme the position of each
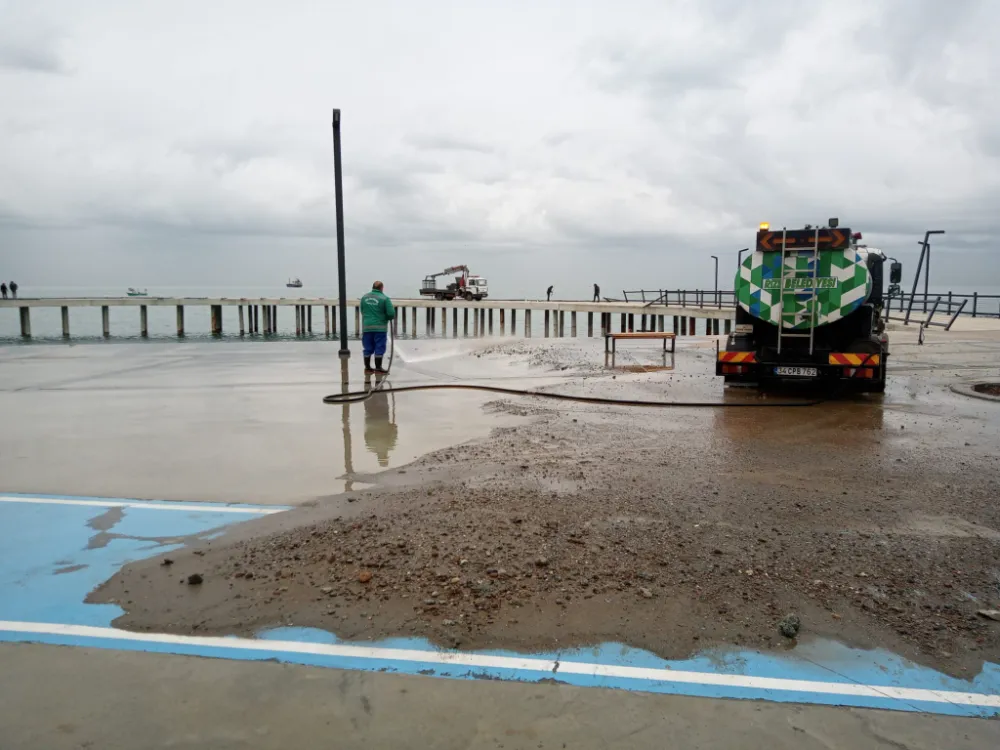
(838, 358)
(737, 356)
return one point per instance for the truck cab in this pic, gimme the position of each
(476, 288)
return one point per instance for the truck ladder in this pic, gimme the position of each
(784, 274)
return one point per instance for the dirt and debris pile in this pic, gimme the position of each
(670, 533)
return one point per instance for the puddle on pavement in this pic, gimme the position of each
(389, 430)
(232, 424)
(107, 520)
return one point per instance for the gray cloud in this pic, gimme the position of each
(27, 42)
(618, 145)
(26, 58)
(442, 142)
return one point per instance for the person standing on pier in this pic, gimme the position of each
(597, 293)
(376, 312)
(13, 289)
(548, 294)
(3, 289)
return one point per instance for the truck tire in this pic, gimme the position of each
(439, 295)
(879, 385)
(468, 296)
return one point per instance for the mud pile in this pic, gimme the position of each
(671, 531)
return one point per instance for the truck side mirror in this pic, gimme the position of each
(896, 272)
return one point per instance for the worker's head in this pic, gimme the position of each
(377, 285)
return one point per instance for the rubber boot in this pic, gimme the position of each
(368, 364)
(378, 364)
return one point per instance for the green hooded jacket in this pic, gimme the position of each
(376, 312)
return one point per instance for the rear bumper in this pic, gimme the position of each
(863, 368)
(770, 371)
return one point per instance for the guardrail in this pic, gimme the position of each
(700, 298)
(953, 309)
(974, 305)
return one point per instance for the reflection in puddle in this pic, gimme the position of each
(380, 422)
(431, 420)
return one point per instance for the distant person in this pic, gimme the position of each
(3, 290)
(13, 289)
(548, 294)
(597, 293)
(376, 312)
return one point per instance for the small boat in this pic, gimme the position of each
(137, 293)
(294, 284)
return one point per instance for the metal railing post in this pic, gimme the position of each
(955, 316)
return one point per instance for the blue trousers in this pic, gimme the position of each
(373, 342)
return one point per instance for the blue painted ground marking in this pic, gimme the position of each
(43, 535)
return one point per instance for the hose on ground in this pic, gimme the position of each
(353, 397)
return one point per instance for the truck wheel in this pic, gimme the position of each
(439, 296)
(468, 296)
(879, 386)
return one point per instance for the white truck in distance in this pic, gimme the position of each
(466, 286)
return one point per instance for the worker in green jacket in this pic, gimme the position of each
(376, 312)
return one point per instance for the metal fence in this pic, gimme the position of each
(683, 297)
(974, 305)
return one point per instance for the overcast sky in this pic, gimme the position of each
(187, 143)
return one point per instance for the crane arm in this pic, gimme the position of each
(447, 271)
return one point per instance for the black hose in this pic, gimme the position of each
(354, 397)
(357, 396)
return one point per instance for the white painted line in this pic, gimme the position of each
(546, 666)
(189, 507)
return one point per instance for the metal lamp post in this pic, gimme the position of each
(925, 251)
(716, 259)
(739, 257)
(338, 185)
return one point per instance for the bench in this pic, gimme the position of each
(611, 338)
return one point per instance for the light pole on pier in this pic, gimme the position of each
(716, 259)
(338, 186)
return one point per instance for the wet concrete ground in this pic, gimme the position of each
(238, 422)
(937, 449)
(874, 515)
(186, 702)
(214, 422)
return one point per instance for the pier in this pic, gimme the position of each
(414, 317)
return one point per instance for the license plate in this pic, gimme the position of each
(797, 372)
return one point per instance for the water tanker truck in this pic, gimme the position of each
(809, 307)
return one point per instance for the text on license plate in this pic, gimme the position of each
(797, 372)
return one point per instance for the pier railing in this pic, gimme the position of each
(700, 298)
(901, 305)
(904, 305)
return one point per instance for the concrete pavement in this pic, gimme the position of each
(119, 421)
(123, 701)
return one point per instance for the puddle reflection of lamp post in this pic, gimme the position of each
(346, 422)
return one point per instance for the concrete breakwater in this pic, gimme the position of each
(415, 317)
